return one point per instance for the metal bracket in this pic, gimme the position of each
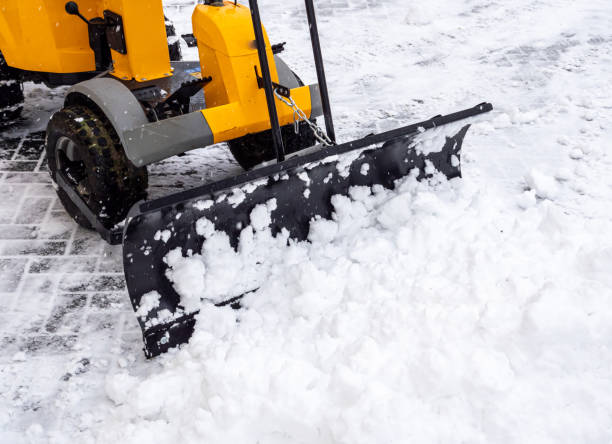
(282, 90)
(181, 96)
(190, 39)
(114, 32)
(148, 93)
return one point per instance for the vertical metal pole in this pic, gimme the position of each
(277, 136)
(316, 49)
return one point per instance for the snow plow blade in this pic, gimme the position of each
(157, 227)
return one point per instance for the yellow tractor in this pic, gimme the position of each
(130, 105)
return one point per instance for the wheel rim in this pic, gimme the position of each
(68, 161)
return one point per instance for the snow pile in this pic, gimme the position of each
(544, 186)
(433, 313)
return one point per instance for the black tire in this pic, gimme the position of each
(174, 43)
(11, 94)
(253, 149)
(99, 170)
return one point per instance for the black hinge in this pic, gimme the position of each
(190, 39)
(180, 98)
(278, 48)
(282, 90)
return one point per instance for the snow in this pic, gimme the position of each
(544, 186)
(118, 386)
(238, 196)
(163, 236)
(475, 310)
(148, 302)
(260, 216)
(20, 357)
(434, 313)
(203, 205)
(187, 276)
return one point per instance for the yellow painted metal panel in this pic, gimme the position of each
(38, 35)
(226, 29)
(147, 55)
(236, 106)
(235, 120)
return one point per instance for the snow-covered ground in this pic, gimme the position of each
(476, 310)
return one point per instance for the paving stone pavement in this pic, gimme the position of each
(64, 309)
(57, 281)
(65, 316)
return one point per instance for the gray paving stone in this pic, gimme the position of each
(111, 260)
(99, 322)
(104, 301)
(86, 242)
(67, 314)
(6, 154)
(10, 143)
(18, 231)
(6, 216)
(62, 265)
(59, 226)
(12, 194)
(32, 248)
(92, 282)
(49, 343)
(17, 166)
(41, 190)
(37, 135)
(29, 323)
(33, 210)
(30, 150)
(27, 178)
(8, 340)
(110, 266)
(39, 289)
(11, 272)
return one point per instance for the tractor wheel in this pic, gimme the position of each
(253, 149)
(174, 42)
(84, 146)
(11, 94)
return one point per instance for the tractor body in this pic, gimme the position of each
(40, 39)
(125, 46)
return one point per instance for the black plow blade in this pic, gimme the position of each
(302, 187)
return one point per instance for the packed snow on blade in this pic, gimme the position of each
(166, 289)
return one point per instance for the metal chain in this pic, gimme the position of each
(300, 116)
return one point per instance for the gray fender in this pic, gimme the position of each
(144, 142)
(115, 100)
